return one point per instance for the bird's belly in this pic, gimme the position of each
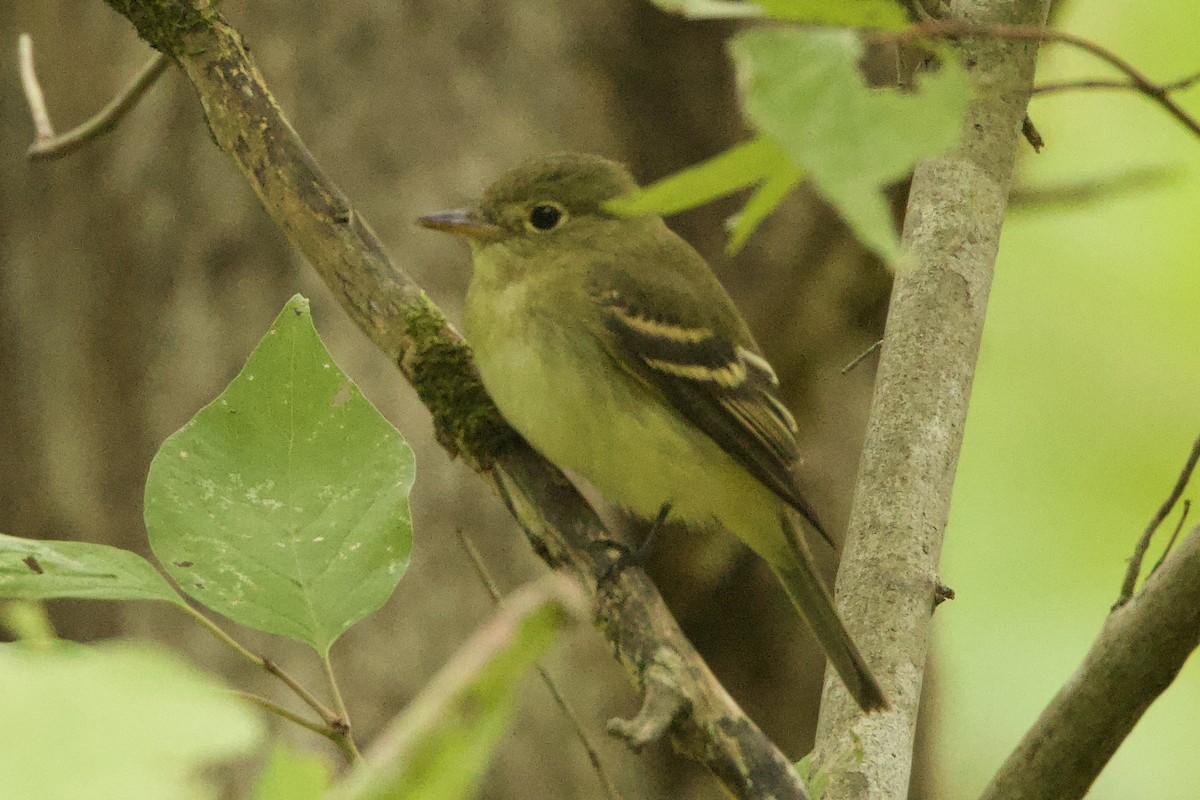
(608, 428)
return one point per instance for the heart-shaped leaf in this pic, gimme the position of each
(283, 504)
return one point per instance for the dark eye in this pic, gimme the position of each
(545, 217)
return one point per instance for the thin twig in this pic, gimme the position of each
(1143, 543)
(46, 144)
(476, 558)
(952, 29)
(1032, 134)
(33, 90)
(1093, 84)
(1187, 507)
(858, 359)
(327, 716)
(278, 710)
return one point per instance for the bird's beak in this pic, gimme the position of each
(465, 222)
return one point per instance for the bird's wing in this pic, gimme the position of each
(726, 389)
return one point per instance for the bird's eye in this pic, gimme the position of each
(546, 217)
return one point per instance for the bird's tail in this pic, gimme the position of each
(815, 604)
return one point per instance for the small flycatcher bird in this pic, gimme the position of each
(608, 343)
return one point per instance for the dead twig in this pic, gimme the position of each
(1032, 134)
(1092, 190)
(1143, 543)
(47, 144)
(858, 359)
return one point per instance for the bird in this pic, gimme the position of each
(609, 344)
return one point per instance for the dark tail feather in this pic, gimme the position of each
(815, 604)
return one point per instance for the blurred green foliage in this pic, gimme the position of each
(440, 746)
(1086, 402)
(291, 775)
(116, 720)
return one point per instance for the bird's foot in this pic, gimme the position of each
(627, 557)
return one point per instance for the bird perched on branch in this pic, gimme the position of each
(608, 343)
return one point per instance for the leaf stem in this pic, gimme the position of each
(335, 733)
(278, 710)
(342, 734)
(328, 716)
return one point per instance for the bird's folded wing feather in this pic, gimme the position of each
(724, 388)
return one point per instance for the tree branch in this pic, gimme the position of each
(247, 124)
(902, 498)
(971, 29)
(1140, 650)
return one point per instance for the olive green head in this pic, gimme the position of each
(547, 203)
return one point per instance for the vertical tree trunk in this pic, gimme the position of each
(952, 227)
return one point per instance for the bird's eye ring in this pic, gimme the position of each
(546, 216)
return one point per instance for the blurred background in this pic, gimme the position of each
(137, 274)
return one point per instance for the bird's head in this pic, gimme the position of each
(551, 203)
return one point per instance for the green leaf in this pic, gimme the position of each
(292, 775)
(40, 570)
(439, 747)
(283, 504)
(115, 720)
(863, 205)
(875, 14)
(738, 167)
(709, 9)
(762, 203)
(803, 89)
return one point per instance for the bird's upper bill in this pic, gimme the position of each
(464, 222)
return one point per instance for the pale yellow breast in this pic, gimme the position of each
(605, 425)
